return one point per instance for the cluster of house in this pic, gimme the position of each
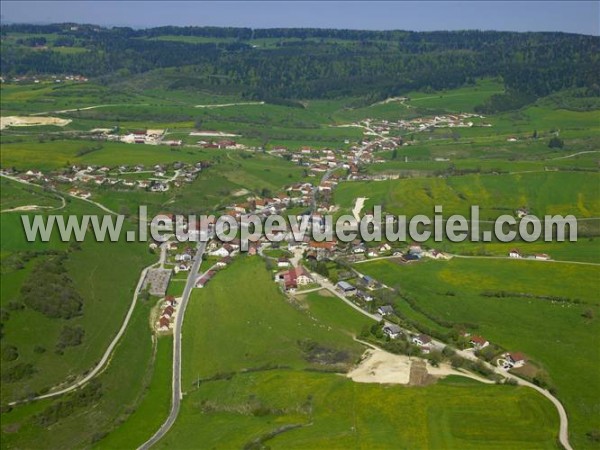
(182, 259)
(148, 136)
(167, 313)
(36, 79)
(509, 360)
(422, 341)
(226, 251)
(318, 161)
(516, 254)
(222, 144)
(155, 178)
(384, 127)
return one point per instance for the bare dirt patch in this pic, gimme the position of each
(419, 375)
(378, 366)
(27, 208)
(22, 121)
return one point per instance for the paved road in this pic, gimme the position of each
(177, 336)
(563, 434)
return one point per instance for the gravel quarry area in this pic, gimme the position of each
(379, 366)
(30, 121)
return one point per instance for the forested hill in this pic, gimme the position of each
(308, 63)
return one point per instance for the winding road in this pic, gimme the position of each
(107, 354)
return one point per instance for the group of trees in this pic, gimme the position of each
(315, 64)
(49, 289)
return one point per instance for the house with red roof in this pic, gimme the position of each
(516, 359)
(163, 324)
(478, 342)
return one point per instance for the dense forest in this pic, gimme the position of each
(311, 63)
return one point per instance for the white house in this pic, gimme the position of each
(421, 340)
(515, 359)
(283, 262)
(385, 247)
(514, 253)
(478, 342)
(385, 310)
(221, 251)
(392, 330)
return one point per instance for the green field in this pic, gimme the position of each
(154, 408)
(122, 386)
(240, 386)
(267, 327)
(250, 370)
(106, 288)
(333, 412)
(543, 193)
(548, 332)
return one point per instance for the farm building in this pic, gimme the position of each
(346, 288)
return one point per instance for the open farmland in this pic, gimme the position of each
(544, 329)
(234, 382)
(267, 349)
(543, 193)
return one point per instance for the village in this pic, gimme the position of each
(298, 266)
(300, 272)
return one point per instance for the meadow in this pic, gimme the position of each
(543, 193)
(268, 329)
(106, 288)
(251, 384)
(122, 386)
(550, 332)
(248, 372)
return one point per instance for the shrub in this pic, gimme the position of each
(49, 290)
(10, 353)
(18, 372)
(70, 337)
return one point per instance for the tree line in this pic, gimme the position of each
(321, 63)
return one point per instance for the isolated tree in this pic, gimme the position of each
(435, 358)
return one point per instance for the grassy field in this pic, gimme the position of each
(249, 383)
(543, 193)
(333, 412)
(106, 288)
(154, 408)
(550, 332)
(268, 328)
(123, 384)
(247, 367)
(16, 194)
